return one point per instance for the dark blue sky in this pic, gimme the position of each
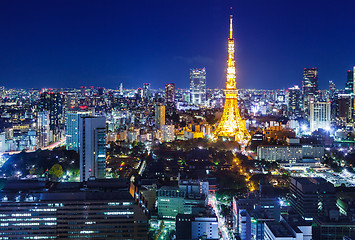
(105, 42)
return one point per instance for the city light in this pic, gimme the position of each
(158, 144)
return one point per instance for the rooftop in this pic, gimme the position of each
(280, 229)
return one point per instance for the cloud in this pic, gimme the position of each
(198, 60)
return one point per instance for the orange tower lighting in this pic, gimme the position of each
(231, 125)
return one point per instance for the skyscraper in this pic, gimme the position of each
(295, 101)
(53, 103)
(43, 128)
(231, 124)
(349, 86)
(121, 89)
(319, 115)
(92, 148)
(310, 81)
(344, 106)
(147, 93)
(350, 89)
(332, 87)
(198, 86)
(72, 127)
(170, 93)
(309, 87)
(159, 116)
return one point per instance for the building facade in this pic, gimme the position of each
(344, 106)
(295, 101)
(309, 86)
(97, 209)
(320, 115)
(43, 130)
(170, 93)
(92, 148)
(311, 197)
(72, 127)
(198, 86)
(168, 133)
(291, 154)
(349, 86)
(53, 103)
(159, 116)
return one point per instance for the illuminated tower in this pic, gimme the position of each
(231, 124)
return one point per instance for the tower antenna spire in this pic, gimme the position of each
(231, 25)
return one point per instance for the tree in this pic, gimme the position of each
(56, 171)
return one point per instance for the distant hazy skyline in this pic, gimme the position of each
(103, 43)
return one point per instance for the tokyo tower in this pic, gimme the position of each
(231, 125)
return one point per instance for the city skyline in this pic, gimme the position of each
(134, 162)
(96, 44)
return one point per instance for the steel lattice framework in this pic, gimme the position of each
(231, 125)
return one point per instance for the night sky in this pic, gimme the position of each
(105, 42)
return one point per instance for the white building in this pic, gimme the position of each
(283, 231)
(92, 148)
(291, 153)
(3, 147)
(43, 131)
(198, 86)
(319, 115)
(205, 228)
(168, 133)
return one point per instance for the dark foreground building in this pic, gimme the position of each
(101, 209)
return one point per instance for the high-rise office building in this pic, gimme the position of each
(332, 87)
(309, 87)
(295, 101)
(92, 147)
(140, 93)
(53, 103)
(333, 95)
(319, 115)
(43, 128)
(349, 86)
(198, 86)
(71, 100)
(170, 93)
(121, 89)
(168, 133)
(72, 127)
(147, 93)
(350, 89)
(310, 81)
(344, 106)
(159, 116)
(100, 209)
(311, 197)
